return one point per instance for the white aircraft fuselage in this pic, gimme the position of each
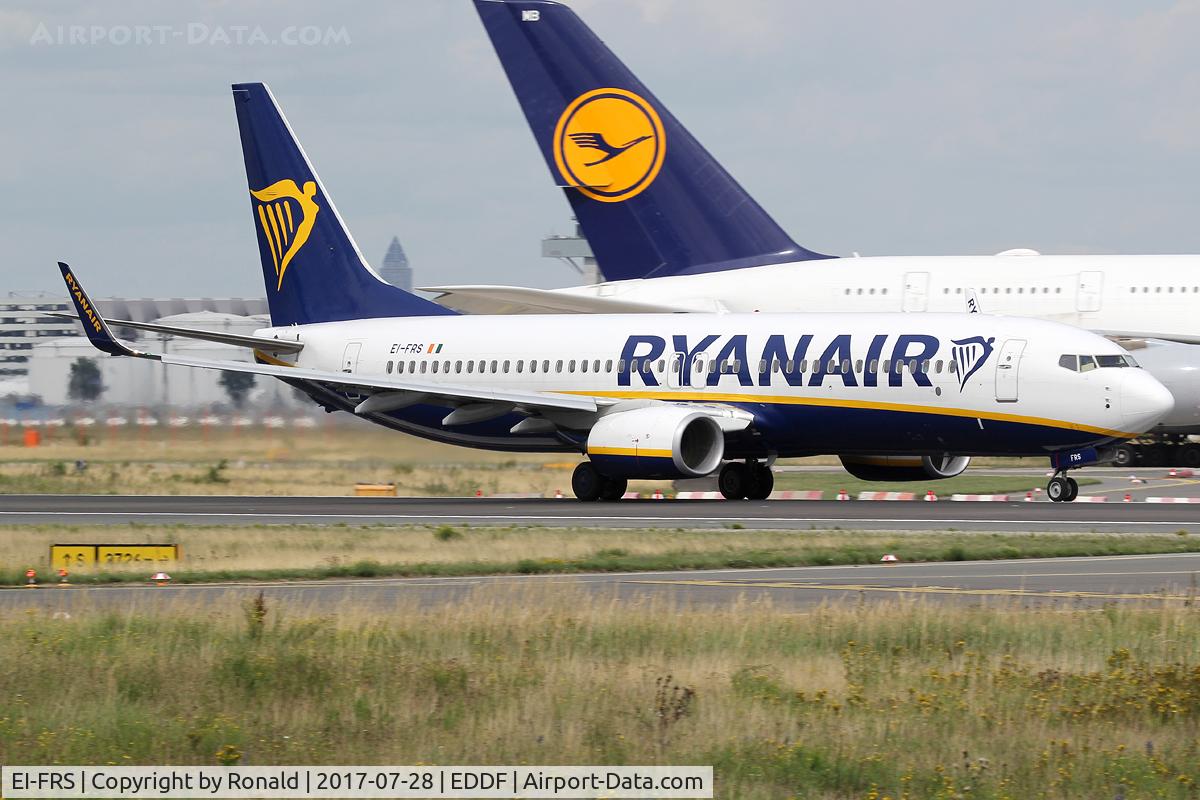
(967, 384)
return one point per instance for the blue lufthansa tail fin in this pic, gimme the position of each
(650, 199)
(314, 272)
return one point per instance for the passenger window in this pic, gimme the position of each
(775, 365)
(446, 367)
(545, 365)
(791, 365)
(596, 365)
(846, 367)
(389, 367)
(621, 365)
(937, 366)
(435, 367)
(608, 365)
(558, 366)
(804, 365)
(470, 366)
(1086, 363)
(571, 365)
(887, 365)
(583, 365)
(532, 365)
(762, 366)
(424, 364)
(662, 366)
(506, 365)
(873, 366)
(952, 367)
(399, 367)
(925, 367)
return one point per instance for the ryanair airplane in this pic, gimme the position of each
(654, 396)
(673, 231)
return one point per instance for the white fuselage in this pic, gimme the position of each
(1139, 296)
(843, 383)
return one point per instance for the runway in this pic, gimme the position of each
(1088, 582)
(778, 514)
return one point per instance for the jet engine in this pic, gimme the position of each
(905, 468)
(656, 442)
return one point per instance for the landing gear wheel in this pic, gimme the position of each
(1123, 456)
(732, 481)
(1058, 489)
(586, 482)
(761, 483)
(614, 489)
(1072, 490)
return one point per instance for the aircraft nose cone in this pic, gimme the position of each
(1144, 401)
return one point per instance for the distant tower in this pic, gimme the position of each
(575, 251)
(395, 267)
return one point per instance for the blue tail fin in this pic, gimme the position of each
(313, 270)
(651, 201)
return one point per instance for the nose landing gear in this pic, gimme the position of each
(1062, 489)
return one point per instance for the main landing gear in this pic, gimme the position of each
(750, 481)
(1062, 489)
(589, 485)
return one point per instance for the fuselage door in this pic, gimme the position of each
(916, 291)
(350, 357)
(676, 364)
(1088, 293)
(699, 370)
(1008, 366)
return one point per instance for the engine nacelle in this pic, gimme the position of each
(656, 442)
(905, 468)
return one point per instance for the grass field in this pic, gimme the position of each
(903, 700)
(314, 551)
(330, 458)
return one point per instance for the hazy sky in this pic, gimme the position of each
(880, 127)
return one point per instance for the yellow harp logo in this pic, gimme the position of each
(286, 214)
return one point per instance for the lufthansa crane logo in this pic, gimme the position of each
(609, 144)
(969, 355)
(286, 213)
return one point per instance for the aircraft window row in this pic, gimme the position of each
(871, 290)
(1077, 363)
(1158, 289)
(727, 367)
(1009, 290)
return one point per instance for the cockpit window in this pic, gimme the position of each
(1089, 363)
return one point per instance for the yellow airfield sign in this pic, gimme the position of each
(84, 556)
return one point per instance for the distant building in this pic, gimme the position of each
(26, 336)
(396, 270)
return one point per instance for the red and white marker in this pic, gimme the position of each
(160, 578)
(889, 559)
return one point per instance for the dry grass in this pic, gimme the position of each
(327, 460)
(901, 700)
(314, 551)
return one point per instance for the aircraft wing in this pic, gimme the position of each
(235, 339)
(484, 299)
(1178, 338)
(401, 390)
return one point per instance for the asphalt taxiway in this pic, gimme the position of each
(776, 514)
(1086, 582)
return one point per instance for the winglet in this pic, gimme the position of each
(94, 325)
